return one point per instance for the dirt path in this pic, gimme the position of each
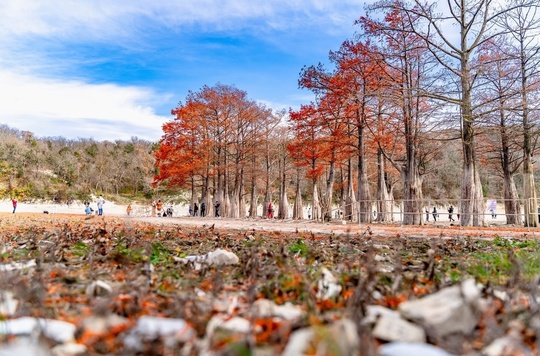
(441, 230)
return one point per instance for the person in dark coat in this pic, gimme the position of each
(450, 213)
(203, 209)
(216, 208)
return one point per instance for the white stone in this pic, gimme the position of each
(101, 324)
(150, 328)
(69, 349)
(328, 286)
(56, 330)
(218, 257)
(471, 291)
(445, 311)
(389, 328)
(98, 289)
(506, 345)
(235, 325)
(265, 308)
(221, 257)
(298, 342)
(410, 349)
(23, 348)
(17, 266)
(8, 304)
(341, 335)
(373, 312)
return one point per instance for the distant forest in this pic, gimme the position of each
(55, 168)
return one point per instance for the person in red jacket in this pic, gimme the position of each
(14, 202)
(270, 213)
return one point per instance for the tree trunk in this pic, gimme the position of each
(529, 194)
(350, 211)
(472, 202)
(511, 200)
(298, 208)
(315, 205)
(529, 190)
(384, 204)
(253, 200)
(364, 197)
(329, 193)
(283, 212)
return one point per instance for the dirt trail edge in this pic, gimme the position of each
(384, 230)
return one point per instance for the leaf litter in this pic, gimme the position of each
(125, 286)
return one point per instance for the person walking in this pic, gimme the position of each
(154, 208)
(450, 213)
(195, 209)
(216, 208)
(128, 210)
(100, 203)
(203, 209)
(427, 214)
(159, 207)
(434, 213)
(270, 212)
(14, 202)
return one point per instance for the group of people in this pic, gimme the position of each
(194, 210)
(435, 213)
(88, 209)
(158, 210)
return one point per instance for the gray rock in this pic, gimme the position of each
(328, 286)
(389, 328)
(148, 328)
(22, 347)
(373, 312)
(265, 308)
(341, 336)
(446, 311)
(506, 345)
(219, 257)
(8, 304)
(100, 325)
(69, 349)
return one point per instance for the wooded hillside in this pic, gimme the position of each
(55, 168)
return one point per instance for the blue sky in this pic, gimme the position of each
(114, 69)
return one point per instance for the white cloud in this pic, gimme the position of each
(65, 18)
(76, 109)
(35, 35)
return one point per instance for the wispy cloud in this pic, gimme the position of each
(104, 69)
(74, 107)
(95, 19)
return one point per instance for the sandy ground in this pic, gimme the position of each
(441, 229)
(22, 207)
(352, 229)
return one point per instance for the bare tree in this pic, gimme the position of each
(522, 24)
(475, 24)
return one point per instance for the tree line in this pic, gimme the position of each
(427, 101)
(55, 168)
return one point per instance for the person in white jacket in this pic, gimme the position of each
(100, 203)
